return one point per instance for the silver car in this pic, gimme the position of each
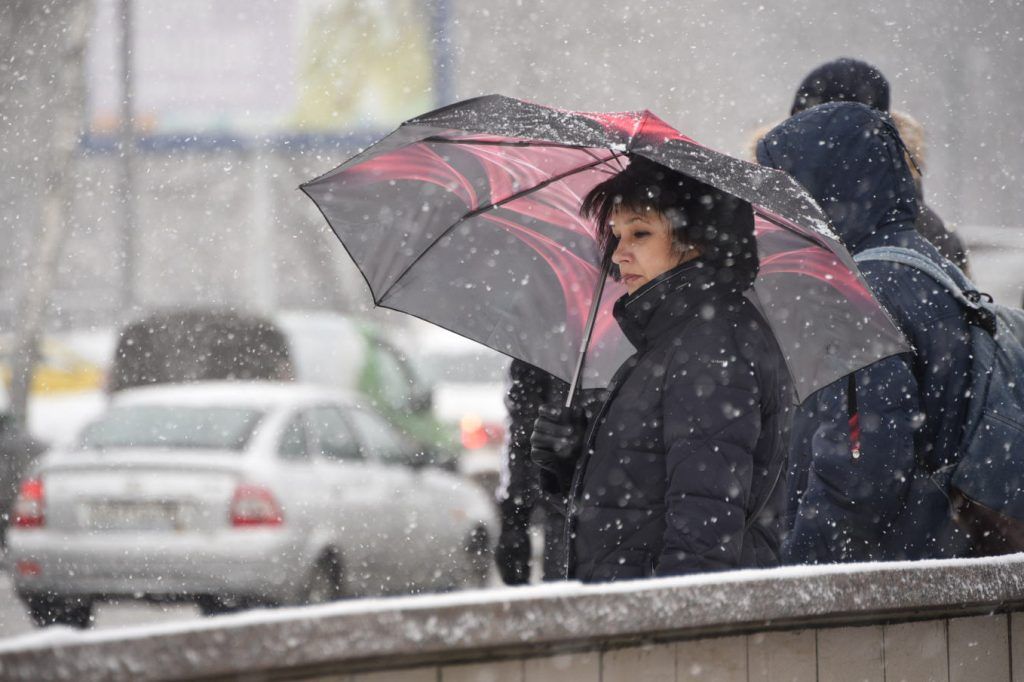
(235, 494)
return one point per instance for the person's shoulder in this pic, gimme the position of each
(729, 323)
(880, 273)
(908, 293)
(734, 313)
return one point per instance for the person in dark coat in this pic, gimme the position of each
(681, 470)
(529, 495)
(851, 80)
(520, 495)
(868, 495)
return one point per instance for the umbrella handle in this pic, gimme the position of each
(588, 331)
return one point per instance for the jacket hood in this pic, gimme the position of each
(850, 158)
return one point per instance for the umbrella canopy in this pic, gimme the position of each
(468, 217)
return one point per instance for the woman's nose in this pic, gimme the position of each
(620, 254)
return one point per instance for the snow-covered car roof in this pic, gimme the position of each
(262, 394)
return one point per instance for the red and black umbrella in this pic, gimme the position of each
(468, 217)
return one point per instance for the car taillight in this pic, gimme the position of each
(28, 509)
(28, 568)
(254, 505)
(476, 434)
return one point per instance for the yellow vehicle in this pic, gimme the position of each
(59, 369)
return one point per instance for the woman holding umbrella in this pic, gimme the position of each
(681, 470)
(470, 217)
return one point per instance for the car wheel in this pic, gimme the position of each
(480, 554)
(325, 581)
(74, 611)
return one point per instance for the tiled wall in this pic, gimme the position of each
(986, 648)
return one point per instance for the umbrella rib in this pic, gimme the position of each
(639, 127)
(488, 207)
(504, 143)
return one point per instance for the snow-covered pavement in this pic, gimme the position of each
(14, 620)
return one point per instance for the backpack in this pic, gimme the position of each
(989, 466)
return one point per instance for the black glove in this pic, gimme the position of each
(557, 441)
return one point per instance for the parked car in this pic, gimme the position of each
(232, 494)
(180, 346)
(18, 450)
(328, 349)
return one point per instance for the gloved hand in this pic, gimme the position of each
(557, 441)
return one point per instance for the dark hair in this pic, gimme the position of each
(720, 224)
(842, 80)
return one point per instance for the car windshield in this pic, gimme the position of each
(167, 426)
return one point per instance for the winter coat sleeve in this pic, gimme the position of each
(852, 498)
(712, 421)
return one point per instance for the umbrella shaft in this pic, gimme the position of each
(588, 331)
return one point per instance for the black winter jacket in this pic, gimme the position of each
(682, 469)
(881, 504)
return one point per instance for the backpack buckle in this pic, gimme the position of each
(975, 296)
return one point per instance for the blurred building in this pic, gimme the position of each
(238, 101)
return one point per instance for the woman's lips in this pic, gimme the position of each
(627, 279)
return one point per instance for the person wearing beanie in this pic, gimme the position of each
(852, 80)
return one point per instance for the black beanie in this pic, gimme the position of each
(843, 80)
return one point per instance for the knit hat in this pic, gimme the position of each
(843, 80)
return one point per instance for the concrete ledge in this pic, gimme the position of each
(530, 621)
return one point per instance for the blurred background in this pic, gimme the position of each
(230, 104)
(152, 151)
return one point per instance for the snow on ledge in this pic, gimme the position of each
(534, 619)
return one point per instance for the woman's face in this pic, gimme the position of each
(645, 249)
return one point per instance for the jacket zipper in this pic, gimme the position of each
(581, 466)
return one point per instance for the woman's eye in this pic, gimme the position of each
(641, 234)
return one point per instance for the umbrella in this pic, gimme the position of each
(468, 217)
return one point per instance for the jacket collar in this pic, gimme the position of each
(662, 303)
